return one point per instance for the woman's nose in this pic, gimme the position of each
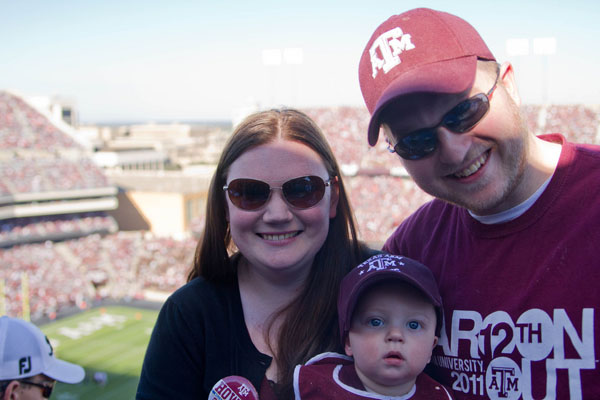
(277, 209)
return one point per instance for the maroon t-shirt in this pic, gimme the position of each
(521, 298)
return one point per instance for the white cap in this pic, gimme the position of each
(25, 351)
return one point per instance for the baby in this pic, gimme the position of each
(390, 317)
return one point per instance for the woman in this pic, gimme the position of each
(261, 298)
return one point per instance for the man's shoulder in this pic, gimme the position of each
(433, 207)
(587, 149)
(428, 215)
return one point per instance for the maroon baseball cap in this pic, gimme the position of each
(421, 50)
(388, 268)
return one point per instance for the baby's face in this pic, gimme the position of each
(391, 337)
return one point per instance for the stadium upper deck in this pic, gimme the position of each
(35, 156)
(44, 172)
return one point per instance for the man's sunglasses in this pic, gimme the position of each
(46, 388)
(251, 194)
(460, 119)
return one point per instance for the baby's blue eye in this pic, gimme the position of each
(375, 322)
(414, 325)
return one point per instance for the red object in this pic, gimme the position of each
(233, 388)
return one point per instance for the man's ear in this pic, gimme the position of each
(507, 76)
(11, 393)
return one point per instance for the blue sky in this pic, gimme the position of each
(193, 60)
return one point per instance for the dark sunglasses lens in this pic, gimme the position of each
(417, 145)
(304, 192)
(45, 387)
(248, 194)
(467, 114)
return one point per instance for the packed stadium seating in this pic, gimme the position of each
(35, 229)
(40, 162)
(78, 272)
(380, 203)
(345, 129)
(23, 127)
(37, 157)
(577, 122)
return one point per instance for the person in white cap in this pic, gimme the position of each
(28, 367)
(512, 235)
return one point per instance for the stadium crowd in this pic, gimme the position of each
(345, 128)
(30, 229)
(124, 265)
(578, 123)
(23, 127)
(380, 203)
(44, 174)
(78, 272)
(35, 156)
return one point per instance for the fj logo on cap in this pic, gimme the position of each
(390, 44)
(24, 365)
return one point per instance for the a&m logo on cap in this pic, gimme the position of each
(381, 262)
(390, 45)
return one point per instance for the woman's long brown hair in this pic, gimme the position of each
(309, 322)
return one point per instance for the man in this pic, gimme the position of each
(512, 235)
(28, 368)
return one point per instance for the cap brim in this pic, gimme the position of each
(450, 76)
(65, 372)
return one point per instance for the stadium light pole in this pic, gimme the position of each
(518, 48)
(2, 298)
(271, 58)
(544, 47)
(25, 296)
(276, 59)
(294, 56)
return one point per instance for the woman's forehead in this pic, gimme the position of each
(279, 159)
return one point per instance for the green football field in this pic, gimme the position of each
(112, 340)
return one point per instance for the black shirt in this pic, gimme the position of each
(199, 316)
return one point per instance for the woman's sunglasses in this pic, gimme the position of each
(460, 119)
(301, 193)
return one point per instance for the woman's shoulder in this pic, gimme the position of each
(200, 304)
(202, 294)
